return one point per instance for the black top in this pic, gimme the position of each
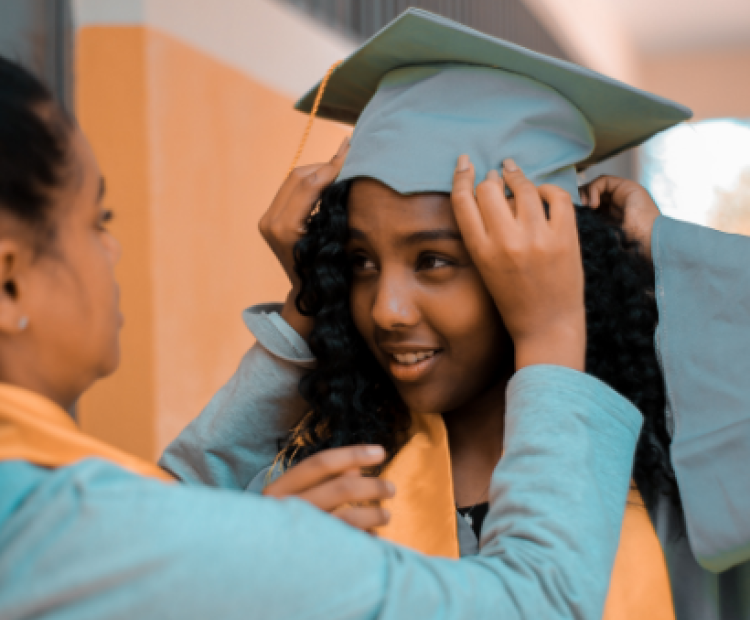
(477, 512)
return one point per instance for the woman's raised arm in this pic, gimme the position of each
(237, 435)
(703, 339)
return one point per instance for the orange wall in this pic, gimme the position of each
(111, 102)
(193, 151)
(713, 83)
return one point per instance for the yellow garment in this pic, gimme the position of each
(423, 515)
(34, 429)
(640, 582)
(424, 518)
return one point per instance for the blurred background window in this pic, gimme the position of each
(508, 19)
(700, 172)
(38, 34)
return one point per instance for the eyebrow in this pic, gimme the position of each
(102, 189)
(419, 236)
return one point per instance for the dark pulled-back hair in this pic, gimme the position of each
(352, 400)
(34, 138)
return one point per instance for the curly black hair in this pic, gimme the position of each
(353, 401)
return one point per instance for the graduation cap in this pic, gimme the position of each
(425, 89)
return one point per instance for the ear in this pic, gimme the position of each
(13, 257)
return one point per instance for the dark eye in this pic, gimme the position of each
(360, 263)
(432, 261)
(105, 217)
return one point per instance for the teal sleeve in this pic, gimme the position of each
(703, 292)
(91, 541)
(571, 439)
(237, 435)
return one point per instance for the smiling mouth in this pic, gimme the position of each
(414, 366)
(412, 358)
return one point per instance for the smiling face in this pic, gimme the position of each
(419, 302)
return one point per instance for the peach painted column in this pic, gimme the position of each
(194, 131)
(111, 102)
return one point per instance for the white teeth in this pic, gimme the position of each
(412, 358)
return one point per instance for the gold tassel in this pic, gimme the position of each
(313, 112)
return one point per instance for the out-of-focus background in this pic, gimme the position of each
(188, 104)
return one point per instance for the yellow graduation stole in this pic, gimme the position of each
(423, 517)
(34, 429)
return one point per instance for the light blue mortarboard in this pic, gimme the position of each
(425, 89)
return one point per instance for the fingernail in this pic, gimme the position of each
(493, 175)
(510, 165)
(386, 514)
(374, 451)
(344, 144)
(463, 163)
(391, 488)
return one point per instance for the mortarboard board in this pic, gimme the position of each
(425, 89)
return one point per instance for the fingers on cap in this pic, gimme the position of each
(491, 186)
(553, 192)
(561, 209)
(343, 150)
(463, 180)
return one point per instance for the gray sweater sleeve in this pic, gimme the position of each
(237, 435)
(703, 339)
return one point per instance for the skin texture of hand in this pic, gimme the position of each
(627, 203)
(284, 223)
(332, 481)
(530, 264)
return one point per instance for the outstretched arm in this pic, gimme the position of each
(703, 292)
(703, 340)
(557, 497)
(237, 435)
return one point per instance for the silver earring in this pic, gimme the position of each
(23, 323)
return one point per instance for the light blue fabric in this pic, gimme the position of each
(703, 292)
(421, 117)
(237, 435)
(91, 541)
(620, 116)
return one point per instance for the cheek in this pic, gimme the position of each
(469, 322)
(91, 289)
(360, 305)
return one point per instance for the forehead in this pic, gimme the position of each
(375, 207)
(84, 156)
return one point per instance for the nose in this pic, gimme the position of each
(394, 305)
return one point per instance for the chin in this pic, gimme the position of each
(425, 403)
(110, 362)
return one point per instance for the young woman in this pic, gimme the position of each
(404, 323)
(409, 336)
(401, 305)
(407, 328)
(87, 531)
